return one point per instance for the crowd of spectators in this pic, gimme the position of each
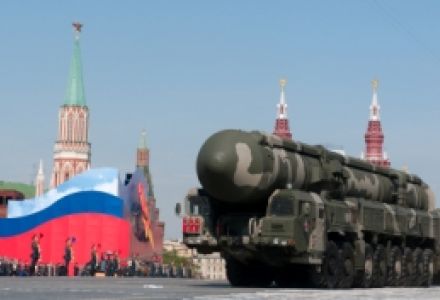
(108, 265)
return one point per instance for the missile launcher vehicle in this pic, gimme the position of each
(289, 214)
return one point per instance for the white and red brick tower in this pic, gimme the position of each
(282, 122)
(72, 151)
(374, 136)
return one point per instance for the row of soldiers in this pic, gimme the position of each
(108, 264)
(36, 254)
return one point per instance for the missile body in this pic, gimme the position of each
(242, 167)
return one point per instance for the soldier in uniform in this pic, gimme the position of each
(35, 253)
(115, 263)
(94, 259)
(68, 254)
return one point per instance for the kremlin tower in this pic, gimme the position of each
(153, 250)
(143, 163)
(282, 122)
(72, 149)
(374, 136)
(39, 181)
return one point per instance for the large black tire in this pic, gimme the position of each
(347, 260)
(418, 267)
(316, 278)
(367, 276)
(379, 267)
(332, 267)
(327, 275)
(248, 275)
(408, 269)
(428, 267)
(291, 277)
(237, 273)
(394, 277)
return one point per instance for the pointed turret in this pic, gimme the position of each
(282, 122)
(72, 150)
(282, 106)
(374, 107)
(75, 88)
(143, 140)
(143, 161)
(374, 137)
(39, 180)
(143, 154)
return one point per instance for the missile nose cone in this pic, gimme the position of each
(216, 162)
(227, 168)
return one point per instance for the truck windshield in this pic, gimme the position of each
(281, 207)
(196, 206)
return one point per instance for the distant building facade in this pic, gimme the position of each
(209, 266)
(72, 151)
(374, 136)
(282, 122)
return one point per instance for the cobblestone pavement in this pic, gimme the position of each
(84, 288)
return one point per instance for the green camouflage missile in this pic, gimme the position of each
(236, 166)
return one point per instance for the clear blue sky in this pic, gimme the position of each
(185, 69)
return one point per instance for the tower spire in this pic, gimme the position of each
(143, 154)
(75, 88)
(72, 151)
(282, 106)
(374, 136)
(143, 140)
(282, 122)
(39, 180)
(374, 107)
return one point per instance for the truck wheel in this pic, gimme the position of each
(237, 273)
(316, 278)
(394, 267)
(328, 274)
(407, 268)
(332, 267)
(379, 267)
(367, 278)
(243, 275)
(347, 259)
(291, 276)
(428, 267)
(418, 267)
(261, 276)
